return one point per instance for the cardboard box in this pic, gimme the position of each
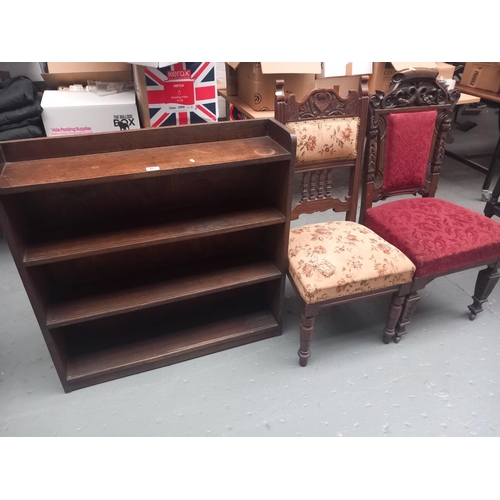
(57, 80)
(231, 80)
(70, 73)
(482, 75)
(445, 70)
(64, 74)
(154, 64)
(256, 82)
(337, 69)
(176, 95)
(86, 67)
(342, 84)
(383, 72)
(70, 113)
(342, 76)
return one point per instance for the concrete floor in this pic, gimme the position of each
(442, 379)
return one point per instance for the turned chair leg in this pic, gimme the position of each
(486, 281)
(392, 317)
(306, 333)
(409, 307)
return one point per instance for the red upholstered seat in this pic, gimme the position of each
(437, 236)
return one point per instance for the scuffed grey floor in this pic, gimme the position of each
(442, 379)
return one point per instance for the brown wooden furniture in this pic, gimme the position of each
(144, 248)
(482, 94)
(335, 262)
(242, 106)
(493, 205)
(467, 99)
(317, 175)
(404, 152)
(492, 99)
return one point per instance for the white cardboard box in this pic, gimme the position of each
(81, 112)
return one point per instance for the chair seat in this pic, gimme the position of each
(436, 235)
(340, 258)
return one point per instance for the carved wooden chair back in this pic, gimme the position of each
(404, 151)
(406, 133)
(330, 135)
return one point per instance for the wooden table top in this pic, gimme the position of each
(482, 94)
(467, 98)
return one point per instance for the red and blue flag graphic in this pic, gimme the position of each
(181, 94)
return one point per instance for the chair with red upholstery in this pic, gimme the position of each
(335, 262)
(403, 155)
(492, 206)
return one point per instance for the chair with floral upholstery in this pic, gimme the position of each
(335, 262)
(404, 151)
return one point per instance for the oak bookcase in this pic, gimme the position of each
(144, 248)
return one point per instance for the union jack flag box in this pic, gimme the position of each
(181, 94)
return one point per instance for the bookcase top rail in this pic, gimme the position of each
(35, 164)
(140, 163)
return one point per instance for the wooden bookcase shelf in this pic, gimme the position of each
(163, 336)
(111, 239)
(153, 292)
(145, 248)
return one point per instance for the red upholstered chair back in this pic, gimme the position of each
(409, 139)
(405, 137)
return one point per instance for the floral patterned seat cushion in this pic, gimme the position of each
(340, 258)
(325, 139)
